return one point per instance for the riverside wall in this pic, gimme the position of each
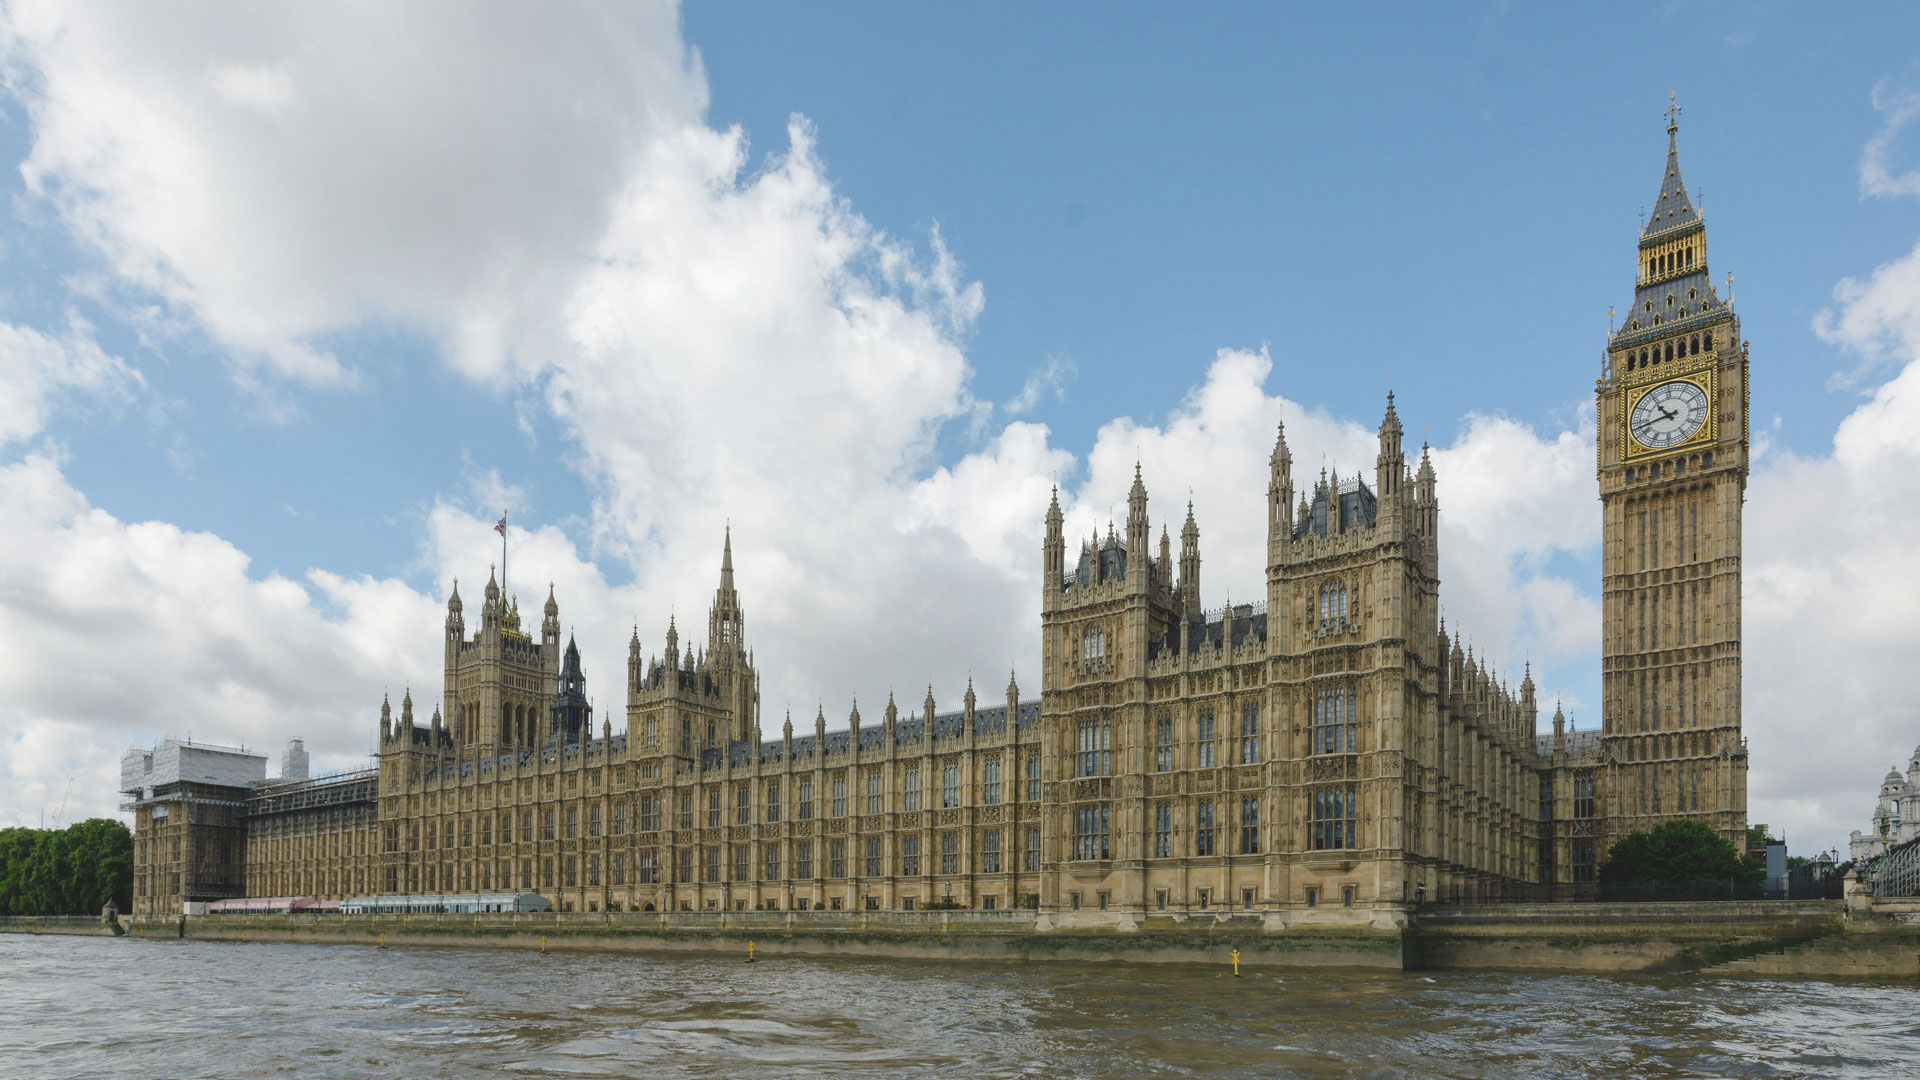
(1761, 938)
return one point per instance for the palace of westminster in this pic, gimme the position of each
(1329, 755)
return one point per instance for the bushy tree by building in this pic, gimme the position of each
(1680, 860)
(70, 871)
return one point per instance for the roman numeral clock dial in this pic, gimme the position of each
(1669, 414)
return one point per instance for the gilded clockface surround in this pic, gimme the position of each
(1672, 412)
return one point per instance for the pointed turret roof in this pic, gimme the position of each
(1673, 209)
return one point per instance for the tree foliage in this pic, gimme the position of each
(70, 871)
(1679, 860)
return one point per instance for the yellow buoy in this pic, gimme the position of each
(749, 952)
(1235, 954)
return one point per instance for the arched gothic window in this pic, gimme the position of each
(1093, 643)
(1333, 604)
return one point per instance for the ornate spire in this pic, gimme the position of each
(1672, 209)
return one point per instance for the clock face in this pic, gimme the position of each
(1669, 415)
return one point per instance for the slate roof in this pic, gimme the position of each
(1358, 507)
(908, 730)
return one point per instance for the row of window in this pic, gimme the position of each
(1331, 816)
(650, 807)
(708, 863)
(1582, 797)
(1677, 533)
(1678, 349)
(1335, 724)
(1686, 789)
(1671, 262)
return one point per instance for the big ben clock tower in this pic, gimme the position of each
(1672, 440)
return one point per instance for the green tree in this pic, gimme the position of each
(71, 871)
(1680, 860)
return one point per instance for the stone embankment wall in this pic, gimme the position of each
(1777, 938)
(1019, 936)
(1613, 937)
(88, 925)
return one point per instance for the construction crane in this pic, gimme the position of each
(62, 812)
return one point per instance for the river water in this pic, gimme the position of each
(103, 1007)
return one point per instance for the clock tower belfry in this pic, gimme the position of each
(1672, 441)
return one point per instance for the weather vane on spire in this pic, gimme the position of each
(1673, 111)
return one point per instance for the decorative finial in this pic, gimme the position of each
(1673, 112)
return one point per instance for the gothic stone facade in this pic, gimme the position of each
(1328, 753)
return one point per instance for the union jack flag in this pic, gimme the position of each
(501, 528)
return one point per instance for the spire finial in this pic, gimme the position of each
(1673, 112)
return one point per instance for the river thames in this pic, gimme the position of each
(95, 1007)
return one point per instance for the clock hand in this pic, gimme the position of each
(1665, 413)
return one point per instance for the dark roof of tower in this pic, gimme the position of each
(1359, 507)
(1673, 209)
(1677, 303)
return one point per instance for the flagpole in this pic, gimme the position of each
(503, 558)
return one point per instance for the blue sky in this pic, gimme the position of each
(1446, 196)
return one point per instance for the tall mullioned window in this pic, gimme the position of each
(839, 801)
(742, 854)
(686, 810)
(910, 856)
(1204, 742)
(1093, 643)
(1032, 854)
(803, 858)
(1033, 778)
(593, 820)
(837, 859)
(649, 868)
(1250, 825)
(806, 802)
(1093, 748)
(875, 802)
(1583, 861)
(1163, 742)
(743, 811)
(949, 786)
(910, 793)
(1334, 720)
(873, 856)
(573, 822)
(1330, 820)
(770, 862)
(1162, 830)
(1583, 796)
(949, 853)
(773, 802)
(1333, 605)
(620, 818)
(1203, 827)
(990, 851)
(990, 782)
(1090, 833)
(1249, 732)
